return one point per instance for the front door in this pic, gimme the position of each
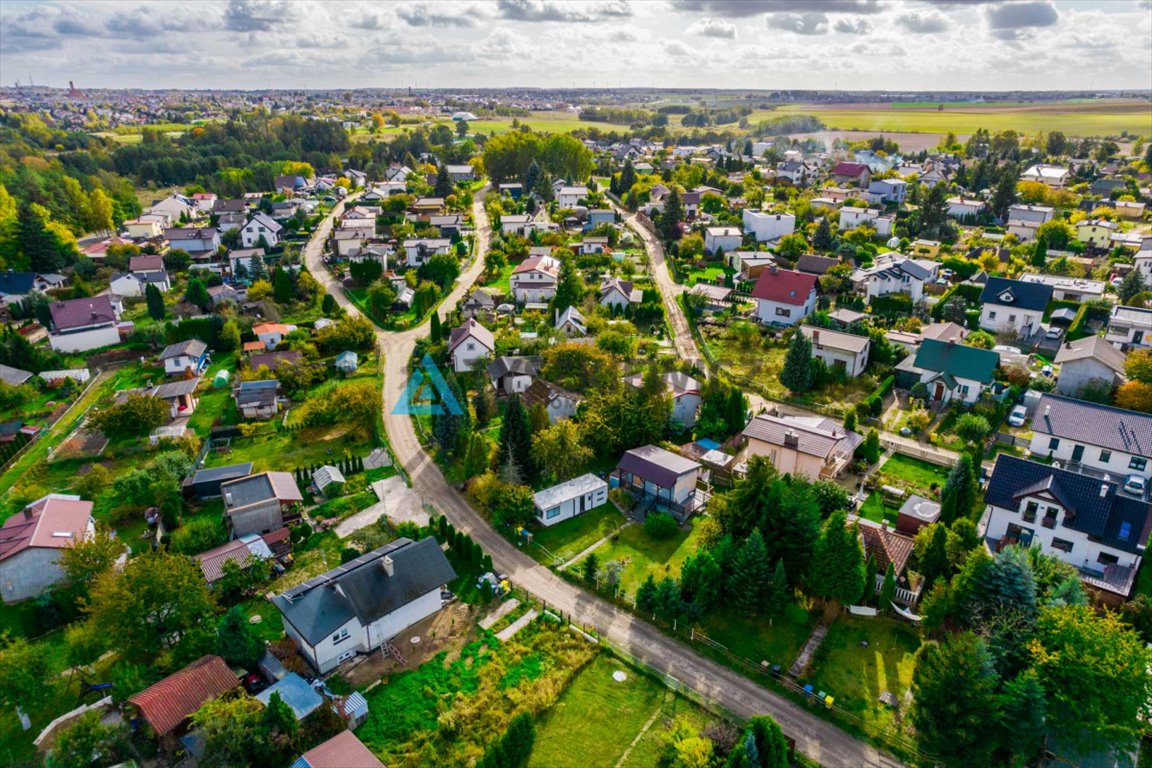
(939, 391)
(1078, 453)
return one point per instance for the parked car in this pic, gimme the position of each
(1136, 484)
(1054, 332)
(1017, 416)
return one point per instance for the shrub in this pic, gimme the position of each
(660, 526)
(197, 536)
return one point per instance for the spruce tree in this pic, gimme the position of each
(570, 288)
(444, 186)
(646, 595)
(935, 563)
(888, 590)
(669, 228)
(822, 239)
(778, 591)
(590, 568)
(1040, 252)
(484, 402)
(283, 290)
(796, 374)
(837, 571)
(872, 451)
(750, 580)
(155, 302)
(962, 484)
(531, 178)
(627, 179)
(516, 435)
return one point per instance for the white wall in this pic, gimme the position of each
(997, 318)
(29, 573)
(766, 311)
(1084, 552)
(1117, 464)
(569, 508)
(684, 409)
(463, 356)
(768, 226)
(83, 341)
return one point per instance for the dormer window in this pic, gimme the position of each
(1007, 297)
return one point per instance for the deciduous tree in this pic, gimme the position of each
(560, 451)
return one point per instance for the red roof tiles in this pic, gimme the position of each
(169, 702)
(784, 286)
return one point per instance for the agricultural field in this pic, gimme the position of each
(1076, 118)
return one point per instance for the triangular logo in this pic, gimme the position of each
(417, 400)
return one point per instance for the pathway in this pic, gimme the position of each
(804, 658)
(591, 548)
(647, 726)
(510, 631)
(505, 608)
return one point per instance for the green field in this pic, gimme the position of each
(643, 556)
(571, 537)
(601, 723)
(1107, 118)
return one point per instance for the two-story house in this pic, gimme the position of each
(784, 297)
(362, 605)
(660, 479)
(813, 447)
(685, 392)
(570, 197)
(767, 226)
(468, 343)
(1088, 363)
(851, 173)
(260, 503)
(185, 358)
(1013, 306)
(722, 239)
(1092, 524)
(534, 279)
(134, 284)
(1050, 175)
(1082, 433)
(1096, 233)
(617, 293)
(960, 208)
(79, 325)
(31, 541)
(200, 242)
(419, 250)
(852, 217)
(893, 273)
(261, 225)
(951, 371)
(1130, 327)
(882, 191)
(845, 352)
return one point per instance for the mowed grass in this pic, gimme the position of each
(1107, 118)
(856, 675)
(596, 721)
(757, 638)
(569, 538)
(642, 555)
(915, 472)
(287, 450)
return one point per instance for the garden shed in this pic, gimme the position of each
(329, 480)
(347, 361)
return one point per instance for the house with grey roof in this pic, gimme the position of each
(1129, 327)
(1088, 363)
(365, 603)
(258, 399)
(1013, 306)
(205, 483)
(468, 343)
(660, 479)
(183, 356)
(685, 391)
(260, 503)
(845, 352)
(79, 325)
(510, 374)
(893, 273)
(1078, 433)
(813, 447)
(568, 499)
(13, 377)
(1089, 522)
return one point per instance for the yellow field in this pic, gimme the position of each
(1079, 118)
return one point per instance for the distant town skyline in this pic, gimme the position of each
(763, 44)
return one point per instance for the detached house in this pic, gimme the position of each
(950, 370)
(1050, 175)
(185, 358)
(568, 499)
(845, 352)
(419, 250)
(362, 605)
(513, 374)
(784, 297)
(570, 197)
(468, 343)
(766, 226)
(260, 503)
(1130, 327)
(851, 217)
(813, 447)
(1080, 433)
(1013, 306)
(258, 399)
(31, 540)
(722, 239)
(272, 333)
(261, 225)
(199, 242)
(851, 173)
(685, 391)
(534, 279)
(892, 273)
(617, 293)
(134, 284)
(79, 325)
(1096, 233)
(886, 191)
(557, 401)
(660, 479)
(1092, 524)
(960, 208)
(1088, 363)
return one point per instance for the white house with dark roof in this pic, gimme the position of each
(846, 352)
(468, 343)
(1089, 522)
(559, 403)
(362, 605)
(568, 499)
(79, 325)
(261, 225)
(1100, 437)
(200, 242)
(570, 197)
(31, 540)
(686, 393)
(1013, 306)
(618, 293)
(419, 250)
(1130, 327)
(185, 356)
(510, 375)
(893, 273)
(260, 503)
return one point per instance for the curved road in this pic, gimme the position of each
(817, 739)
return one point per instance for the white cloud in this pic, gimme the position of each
(800, 23)
(924, 22)
(708, 27)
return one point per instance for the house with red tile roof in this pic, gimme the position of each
(783, 296)
(31, 541)
(343, 750)
(848, 173)
(166, 705)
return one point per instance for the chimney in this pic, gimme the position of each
(28, 512)
(1047, 410)
(791, 439)
(389, 565)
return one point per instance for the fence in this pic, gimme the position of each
(929, 455)
(1016, 442)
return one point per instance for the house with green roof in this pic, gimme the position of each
(949, 370)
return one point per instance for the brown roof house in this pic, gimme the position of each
(167, 705)
(1089, 363)
(79, 325)
(813, 447)
(31, 540)
(468, 343)
(887, 547)
(660, 479)
(343, 750)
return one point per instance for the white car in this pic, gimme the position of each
(1017, 416)
(1135, 484)
(1054, 332)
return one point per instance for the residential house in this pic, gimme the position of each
(1088, 522)
(272, 333)
(176, 208)
(1050, 175)
(1130, 327)
(419, 250)
(479, 302)
(811, 264)
(1068, 288)
(926, 249)
(813, 447)
(686, 393)
(793, 171)
(513, 374)
(515, 191)
(845, 352)
(851, 173)
(570, 197)
(1096, 233)
(144, 227)
(14, 377)
(887, 547)
(146, 264)
(534, 279)
(167, 705)
(449, 224)
(1078, 433)
(428, 205)
(1088, 363)
(568, 499)
(766, 226)
(230, 214)
(571, 322)
(261, 225)
(950, 370)
(557, 401)
(359, 217)
(289, 184)
(343, 750)
(134, 284)
(260, 503)
(258, 399)
(243, 553)
(1129, 209)
(851, 217)
(722, 239)
(660, 479)
(205, 483)
(784, 297)
(365, 603)
(882, 191)
(599, 216)
(224, 293)
(749, 264)
(201, 242)
(468, 343)
(516, 224)
(617, 293)
(16, 286)
(179, 395)
(460, 173)
(79, 325)
(592, 245)
(960, 208)
(31, 541)
(243, 260)
(1013, 306)
(893, 273)
(185, 358)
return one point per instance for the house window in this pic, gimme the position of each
(1054, 444)
(340, 636)
(1105, 456)
(991, 315)
(1138, 463)
(781, 312)
(1106, 559)
(1062, 545)
(1030, 512)
(964, 389)
(471, 346)
(1012, 319)
(1125, 531)
(552, 513)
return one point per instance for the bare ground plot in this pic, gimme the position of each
(446, 630)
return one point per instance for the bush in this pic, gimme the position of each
(197, 536)
(660, 526)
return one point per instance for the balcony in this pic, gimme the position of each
(1048, 522)
(1111, 578)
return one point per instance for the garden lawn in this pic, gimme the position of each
(271, 625)
(759, 638)
(856, 676)
(502, 282)
(597, 719)
(712, 274)
(643, 556)
(286, 450)
(567, 539)
(917, 473)
(873, 509)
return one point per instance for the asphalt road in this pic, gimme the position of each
(815, 738)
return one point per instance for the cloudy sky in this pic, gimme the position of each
(805, 44)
